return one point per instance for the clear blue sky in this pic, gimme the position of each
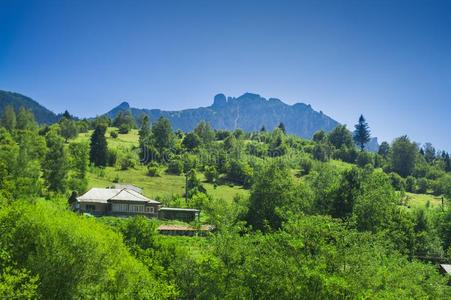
(390, 60)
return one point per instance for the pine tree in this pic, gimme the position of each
(282, 127)
(362, 133)
(9, 118)
(99, 149)
(144, 131)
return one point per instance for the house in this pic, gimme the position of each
(116, 202)
(126, 200)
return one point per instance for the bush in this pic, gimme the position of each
(114, 134)
(124, 129)
(422, 185)
(211, 174)
(364, 158)
(73, 257)
(306, 166)
(411, 183)
(397, 181)
(175, 167)
(154, 169)
(111, 157)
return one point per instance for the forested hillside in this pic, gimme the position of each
(41, 114)
(294, 218)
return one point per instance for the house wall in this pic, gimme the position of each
(94, 208)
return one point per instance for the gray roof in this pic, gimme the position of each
(128, 187)
(178, 209)
(100, 195)
(447, 268)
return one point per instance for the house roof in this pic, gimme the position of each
(100, 195)
(128, 187)
(178, 209)
(446, 268)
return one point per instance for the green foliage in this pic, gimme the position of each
(153, 169)
(211, 174)
(340, 137)
(191, 141)
(72, 256)
(362, 133)
(98, 154)
(162, 135)
(204, 131)
(403, 156)
(68, 128)
(55, 166)
(8, 119)
(273, 194)
(124, 119)
(175, 166)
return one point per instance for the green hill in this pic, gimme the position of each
(41, 114)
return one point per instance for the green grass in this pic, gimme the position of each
(158, 187)
(123, 140)
(420, 200)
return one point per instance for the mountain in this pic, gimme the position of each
(41, 114)
(248, 112)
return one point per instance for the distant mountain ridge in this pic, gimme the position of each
(41, 114)
(248, 112)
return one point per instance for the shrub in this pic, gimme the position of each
(422, 185)
(211, 174)
(124, 129)
(411, 183)
(175, 167)
(306, 166)
(114, 134)
(364, 158)
(154, 169)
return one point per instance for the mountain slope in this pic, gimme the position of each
(248, 112)
(42, 115)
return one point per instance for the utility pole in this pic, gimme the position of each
(186, 188)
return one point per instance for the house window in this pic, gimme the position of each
(90, 207)
(119, 207)
(137, 208)
(150, 209)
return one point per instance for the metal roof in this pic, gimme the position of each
(447, 268)
(100, 195)
(179, 209)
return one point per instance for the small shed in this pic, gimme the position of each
(184, 214)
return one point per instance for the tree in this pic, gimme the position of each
(340, 137)
(282, 128)
(429, 152)
(124, 118)
(403, 156)
(163, 137)
(384, 149)
(9, 118)
(68, 128)
(79, 158)
(144, 132)
(25, 119)
(362, 133)
(55, 166)
(319, 136)
(191, 141)
(204, 132)
(273, 193)
(263, 129)
(98, 154)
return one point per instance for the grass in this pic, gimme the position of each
(158, 187)
(421, 200)
(123, 140)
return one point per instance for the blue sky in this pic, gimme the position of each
(390, 60)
